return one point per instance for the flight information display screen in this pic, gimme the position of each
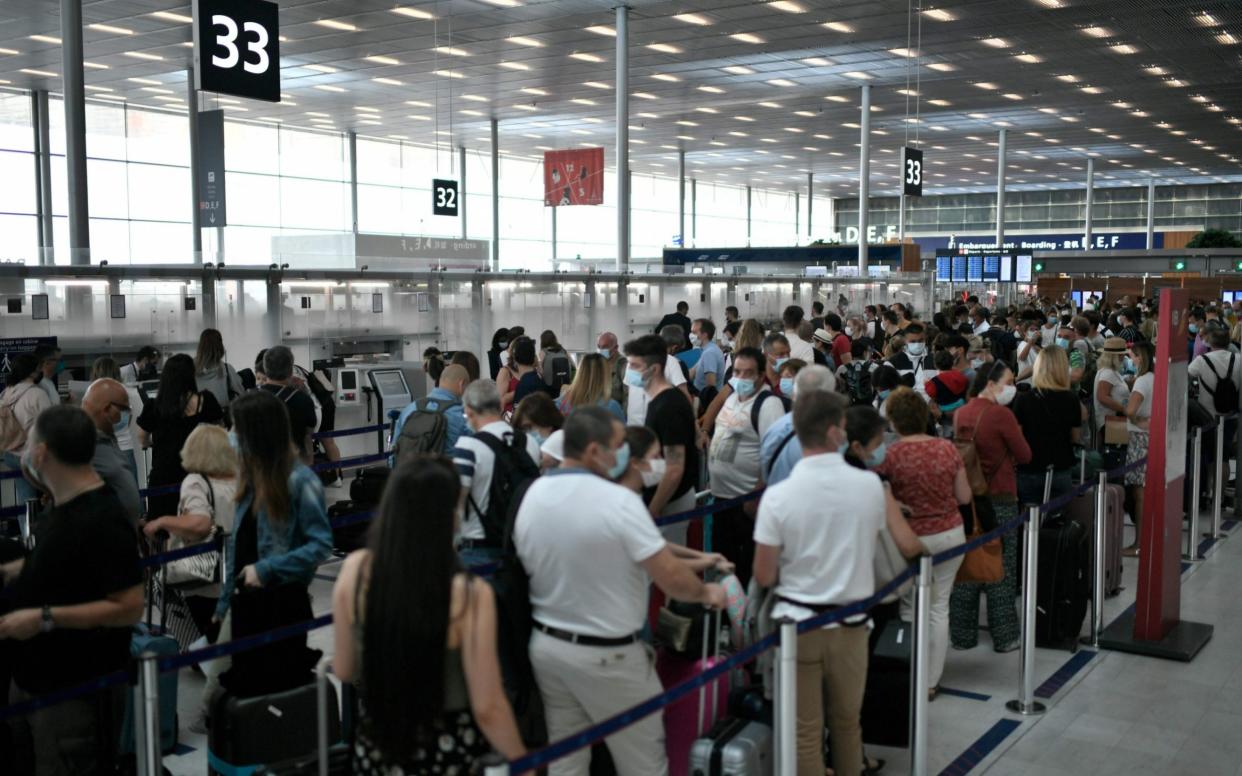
(974, 269)
(943, 269)
(1022, 269)
(992, 268)
(959, 269)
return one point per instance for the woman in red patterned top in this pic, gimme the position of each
(929, 479)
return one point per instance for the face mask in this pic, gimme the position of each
(780, 362)
(502, 345)
(605, 352)
(726, 340)
(1006, 395)
(234, 442)
(28, 467)
(876, 459)
(60, 366)
(787, 386)
(975, 363)
(916, 349)
(742, 387)
(634, 378)
(883, 395)
(1033, 335)
(694, 340)
(653, 477)
(539, 438)
(1062, 343)
(1130, 367)
(623, 461)
(1051, 320)
(122, 424)
(1194, 328)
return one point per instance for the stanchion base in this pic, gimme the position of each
(1181, 643)
(1017, 707)
(1088, 641)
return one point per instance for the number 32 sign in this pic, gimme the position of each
(237, 48)
(443, 197)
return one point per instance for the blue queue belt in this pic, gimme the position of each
(350, 431)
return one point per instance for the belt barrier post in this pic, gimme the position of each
(1026, 704)
(25, 523)
(147, 695)
(1196, 487)
(1048, 486)
(787, 701)
(921, 668)
(321, 705)
(1097, 577)
(494, 765)
(1222, 474)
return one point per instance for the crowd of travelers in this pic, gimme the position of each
(513, 553)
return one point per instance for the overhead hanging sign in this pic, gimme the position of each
(444, 197)
(573, 177)
(210, 184)
(912, 171)
(237, 48)
(15, 346)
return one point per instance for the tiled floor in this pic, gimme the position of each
(1119, 714)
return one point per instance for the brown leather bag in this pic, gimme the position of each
(985, 563)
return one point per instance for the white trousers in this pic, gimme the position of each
(943, 576)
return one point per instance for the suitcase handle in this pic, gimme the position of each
(321, 693)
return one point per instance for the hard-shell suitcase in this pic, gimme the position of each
(733, 747)
(338, 754)
(1082, 509)
(146, 640)
(347, 538)
(1064, 585)
(368, 485)
(246, 733)
(687, 719)
(885, 713)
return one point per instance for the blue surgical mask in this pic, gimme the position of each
(787, 386)
(1129, 366)
(876, 458)
(1194, 328)
(780, 362)
(122, 424)
(535, 435)
(742, 387)
(60, 366)
(605, 352)
(623, 461)
(883, 394)
(234, 442)
(1062, 343)
(916, 349)
(634, 378)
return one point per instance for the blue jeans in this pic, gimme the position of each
(24, 490)
(478, 556)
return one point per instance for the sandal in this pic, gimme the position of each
(872, 767)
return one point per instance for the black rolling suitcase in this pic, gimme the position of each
(247, 733)
(368, 485)
(1064, 586)
(352, 536)
(886, 697)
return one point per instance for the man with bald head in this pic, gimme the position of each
(610, 349)
(107, 403)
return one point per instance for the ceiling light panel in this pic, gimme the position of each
(693, 18)
(336, 24)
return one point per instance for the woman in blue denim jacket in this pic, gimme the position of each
(280, 503)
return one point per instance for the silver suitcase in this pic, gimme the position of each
(733, 747)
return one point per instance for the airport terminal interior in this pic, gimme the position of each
(534, 265)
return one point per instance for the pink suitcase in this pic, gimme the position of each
(1082, 510)
(690, 717)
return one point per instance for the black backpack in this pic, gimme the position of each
(1002, 346)
(512, 471)
(757, 407)
(858, 382)
(1225, 395)
(425, 430)
(558, 371)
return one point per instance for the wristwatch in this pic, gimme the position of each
(48, 624)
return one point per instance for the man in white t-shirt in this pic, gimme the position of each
(798, 347)
(1214, 365)
(815, 541)
(592, 550)
(475, 460)
(733, 458)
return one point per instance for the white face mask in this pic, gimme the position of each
(1005, 397)
(653, 477)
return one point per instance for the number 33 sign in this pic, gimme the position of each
(912, 171)
(237, 48)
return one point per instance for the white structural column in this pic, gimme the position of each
(495, 195)
(681, 198)
(74, 86)
(196, 218)
(352, 138)
(901, 214)
(864, 178)
(623, 138)
(1086, 230)
(810, 202)
(1001, 152)
(461, 190)
(1151, 214)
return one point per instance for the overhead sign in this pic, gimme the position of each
(912, 171)
(1053, 241)
(13, 346)
(444, 197)
(237, 48)
(210, 184)
(573, 177)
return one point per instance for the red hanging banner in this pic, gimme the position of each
(573, 177)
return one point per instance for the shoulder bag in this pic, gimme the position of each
(196, 570)
(985, 563)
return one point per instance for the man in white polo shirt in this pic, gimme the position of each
(591, 551)
(816, 543)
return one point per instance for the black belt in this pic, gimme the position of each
(586, 641)
(825, 608)
(477, 544)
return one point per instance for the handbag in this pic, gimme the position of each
(196, 570)
(985, 563)
(1115, 431)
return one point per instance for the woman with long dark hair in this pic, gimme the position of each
(213, 373)
(390, 614)
(280, 536)
(166, 423)
(500, 344)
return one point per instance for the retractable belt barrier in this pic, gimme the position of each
(350, 431)
(618, 721)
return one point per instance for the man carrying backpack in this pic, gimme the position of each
(433, 424)
(495, 464)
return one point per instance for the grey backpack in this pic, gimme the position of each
(425, 430)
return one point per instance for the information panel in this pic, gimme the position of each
(1022, 269)
(974, 269)
(959, 269)
(212, 204)
(237, 48)
(944, 269)
(992, 268)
